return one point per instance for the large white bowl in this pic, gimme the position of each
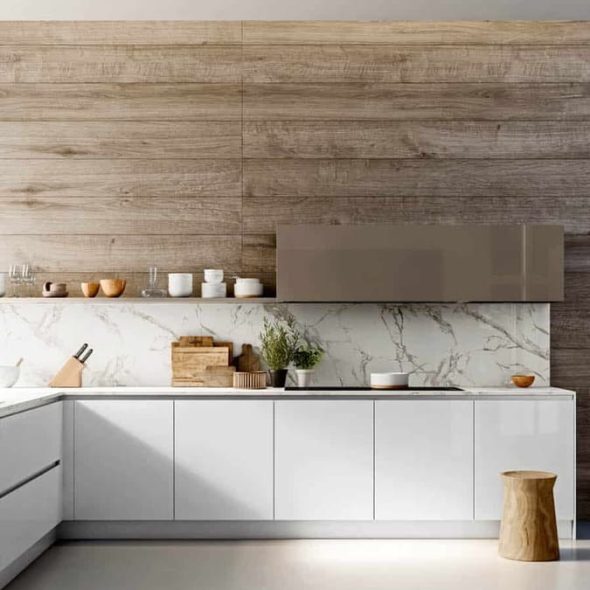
(390, 380)
(9, 375)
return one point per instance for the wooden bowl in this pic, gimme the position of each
(113, 287)
(523, 380)
(90, 289)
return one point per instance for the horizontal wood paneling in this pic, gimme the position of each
(109, 178)
(121, 32)
(577, 255)
(91, 140)
(393, 140)
(259, 253)
(262, 214)
(38, 215)
(111, 63)
(413, 102)
(434, 178)
(416, 33)
(115, 102)
(75, 253)
(395, 63)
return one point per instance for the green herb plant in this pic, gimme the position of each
(278, 342)
(307, 355)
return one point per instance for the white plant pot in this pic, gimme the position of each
(304, 377)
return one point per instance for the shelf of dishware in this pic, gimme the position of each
(137, 300)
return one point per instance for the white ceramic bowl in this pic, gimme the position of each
(248, 288)
(180, 284)
(213, 275)
(389, 380)
(213, 290)
(9, 375)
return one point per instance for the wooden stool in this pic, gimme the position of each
(529, 529)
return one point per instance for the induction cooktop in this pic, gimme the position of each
(366, 388)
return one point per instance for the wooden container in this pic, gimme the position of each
(70, 375)
(254, 380)
(195, 365)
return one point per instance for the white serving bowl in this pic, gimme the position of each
(9, 375)
(248, 288)
(389, 380)
(213, 276)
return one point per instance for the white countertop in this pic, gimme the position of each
(19, 399)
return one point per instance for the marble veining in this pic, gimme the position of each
(439, 344)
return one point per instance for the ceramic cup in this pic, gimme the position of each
(213, 275)
(180, 284)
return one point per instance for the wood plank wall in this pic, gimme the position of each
(184, 144)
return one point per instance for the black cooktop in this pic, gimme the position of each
(344, 388)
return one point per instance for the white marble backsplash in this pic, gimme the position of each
(440, 344)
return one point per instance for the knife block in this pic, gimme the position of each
(70, 375)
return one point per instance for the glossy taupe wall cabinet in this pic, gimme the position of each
(420, 263)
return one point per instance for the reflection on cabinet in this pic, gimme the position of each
(423, 460)
(324, 460)
(29, 442)
(527, 434)
(29, 513)
(123, 460)
(224, 460)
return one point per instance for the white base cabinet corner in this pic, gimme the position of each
(123, 460)
(423, 460)
(324, 460)
(533, 435)
(224, 460)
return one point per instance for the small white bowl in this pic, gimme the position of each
(390, 380)
(9, 375)
(213, 276)
(213, 290)
(248, 288)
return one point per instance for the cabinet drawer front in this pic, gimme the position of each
(424, 460)
(29, 513)
(224, 460)
(324, 460)
(29, 442)
(529, 435)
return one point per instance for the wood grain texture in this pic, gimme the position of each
(263, 214)
(120, 254)
(108, 178)
(119, 63)
(410, 64)
(120, 32)
(38, 215)
(413, 102)
(394, 140)
(435, 178)
(116, 102)
(259, 253)
(416, 33)
(91, 140)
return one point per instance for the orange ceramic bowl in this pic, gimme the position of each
(90, 289)
(523, 380)
(113, 287)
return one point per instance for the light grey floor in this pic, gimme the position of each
(301, 565)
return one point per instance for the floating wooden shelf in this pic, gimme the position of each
(135, 300)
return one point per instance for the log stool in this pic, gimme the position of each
(529, 529)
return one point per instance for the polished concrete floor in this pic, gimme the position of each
(301, 565)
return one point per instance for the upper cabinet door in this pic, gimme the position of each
(224, 460)
(324, 460)
(423, 460)
(529, 435)
(419, 263)
(123, 461)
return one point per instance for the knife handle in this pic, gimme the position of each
(82, 349)
(86, 356)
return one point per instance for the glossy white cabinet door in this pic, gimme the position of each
(527, 434)
(324, 460)
(29, 442)
(123, 457)
(423, 460)
(224, 460)
(29, 513)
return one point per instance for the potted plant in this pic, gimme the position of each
(278, 341)
(306, 356)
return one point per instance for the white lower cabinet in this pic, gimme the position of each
(423, 460)
(123, 465)
(28, 513)
(324, 460)
(523, 434)
(224, 460)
